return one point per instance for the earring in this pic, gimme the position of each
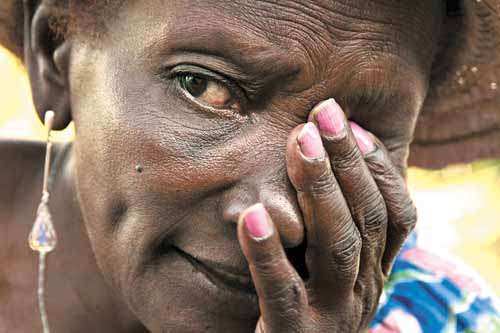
(43, 238)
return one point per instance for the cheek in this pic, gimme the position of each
(125, 120)
(184, 156)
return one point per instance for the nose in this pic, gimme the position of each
(277, 194)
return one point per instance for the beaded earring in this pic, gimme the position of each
(43, 238)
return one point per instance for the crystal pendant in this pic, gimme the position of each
(43, 236)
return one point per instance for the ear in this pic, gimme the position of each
(47, 58)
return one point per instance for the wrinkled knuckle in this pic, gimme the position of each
(408, 219)
(324, 185)
(290, 296)
(375, 217)
(377, 165)
(382, 169)
(267, 266)
(412, 213)
(369, 292)
(346, 251)
(347, 159)
(378, 161)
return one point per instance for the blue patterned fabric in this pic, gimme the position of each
(429, 294)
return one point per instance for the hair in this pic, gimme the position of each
(68, 17)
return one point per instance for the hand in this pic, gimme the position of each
(357, 214)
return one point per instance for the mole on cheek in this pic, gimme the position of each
(139, 168)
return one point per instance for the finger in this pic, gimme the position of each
(281, 292)
(333, 241)
(358, 186)
(402, 213)
(365, 201)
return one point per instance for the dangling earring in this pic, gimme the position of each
(43, 238)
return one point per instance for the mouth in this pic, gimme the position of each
(220, 275)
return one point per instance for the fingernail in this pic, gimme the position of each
(257, 223)
(363, 139)
(330, 118)
(310, 141)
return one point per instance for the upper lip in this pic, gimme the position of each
(219, 273)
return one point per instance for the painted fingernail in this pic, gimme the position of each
(330, 118)
(363, 139)
(310, 141)
(257, 223)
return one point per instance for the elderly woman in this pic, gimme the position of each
(239, 166)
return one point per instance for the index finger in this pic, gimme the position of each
(281, 291)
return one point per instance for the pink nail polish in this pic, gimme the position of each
(257, 223)
(330, 118)
(310, 141)
(363, 139)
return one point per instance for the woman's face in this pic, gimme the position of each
(183, 110)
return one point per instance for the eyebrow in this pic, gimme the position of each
(247, 56)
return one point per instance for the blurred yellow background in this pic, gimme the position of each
(459, 207)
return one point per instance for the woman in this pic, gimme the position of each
(214, 184)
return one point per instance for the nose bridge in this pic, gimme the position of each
(277, 194)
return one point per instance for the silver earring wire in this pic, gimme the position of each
(43, 238)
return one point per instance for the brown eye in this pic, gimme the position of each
(206, 91)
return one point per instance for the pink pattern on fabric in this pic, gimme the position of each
(398, 321)
(442, 268)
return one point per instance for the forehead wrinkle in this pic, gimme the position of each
(245, 47)
(343, 30)
(317, 22)
(316, 39)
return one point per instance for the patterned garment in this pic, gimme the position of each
(428, 294)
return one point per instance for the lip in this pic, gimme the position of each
(221, 275)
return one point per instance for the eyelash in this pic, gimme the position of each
(174, 73)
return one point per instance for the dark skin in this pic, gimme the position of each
(208, 102)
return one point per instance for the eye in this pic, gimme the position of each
(208, 91)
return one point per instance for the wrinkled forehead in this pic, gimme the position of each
(308, 36)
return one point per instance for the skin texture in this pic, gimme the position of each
(128, 238)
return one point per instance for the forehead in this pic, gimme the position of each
(311, 36)
(334, 23)
(315, 38)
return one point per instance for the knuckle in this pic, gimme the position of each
(347, 159)
(375, 217)
(368, 292)
(346, 251)
(407, 219)
(368, 288)
(267, 265)
(289, 297)
(383, 170)
(378, 164)
(324, 184)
